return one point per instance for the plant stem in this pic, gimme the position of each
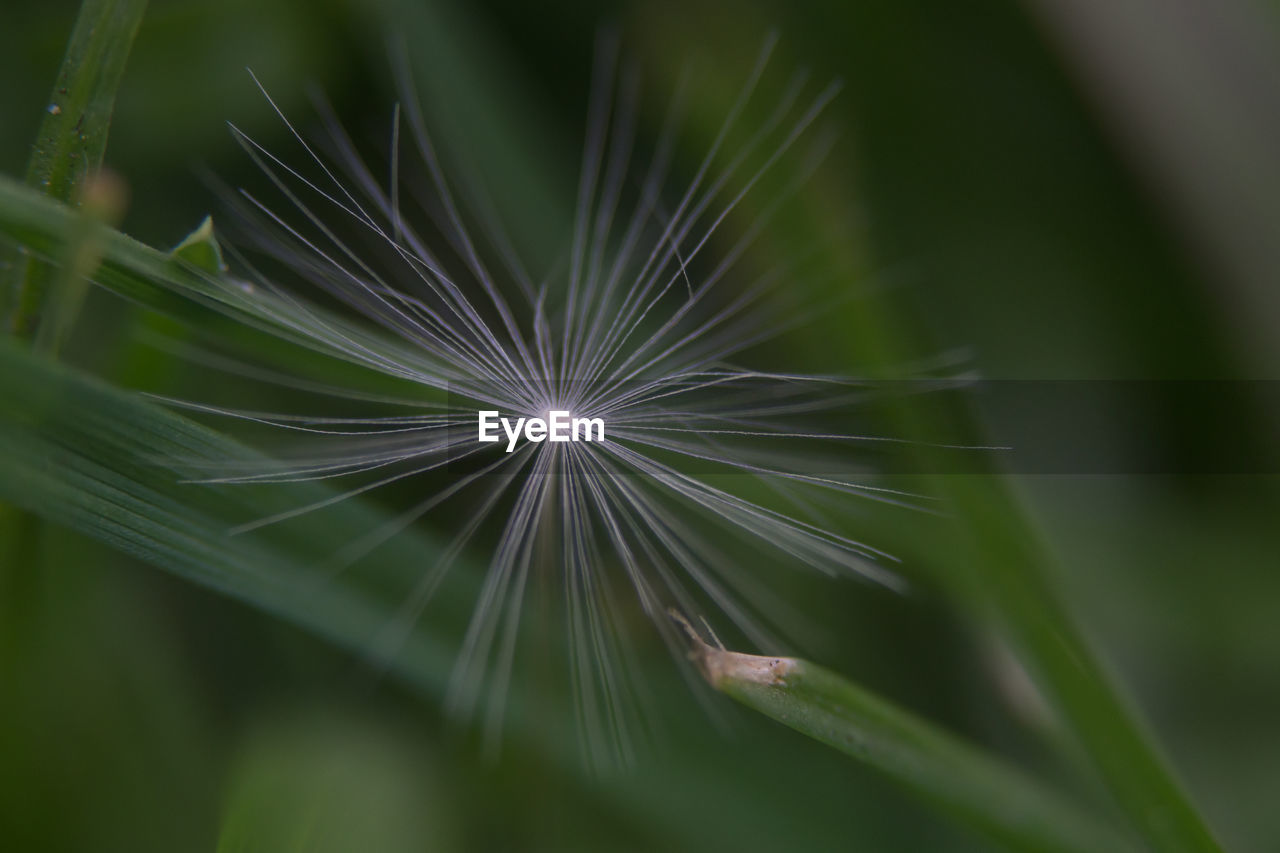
(991, 797)
(67, 154)
(72, 140)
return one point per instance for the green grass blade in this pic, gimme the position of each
(185, 285)
(1004, 575)
(73, 135)
(989, 796)
(1000, 569)
(989, 556)
(110, 465)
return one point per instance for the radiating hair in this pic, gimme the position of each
(415, 278)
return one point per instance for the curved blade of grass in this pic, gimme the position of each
(73, 135)
(993, 798)
(1002, 574)
(988, 554)
(183, 286)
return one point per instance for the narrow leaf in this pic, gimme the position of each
(997, 800)
(989, 555)
(73, 135)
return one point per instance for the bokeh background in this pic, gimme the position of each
(1060, 190)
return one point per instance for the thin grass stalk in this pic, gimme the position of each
(70, 145)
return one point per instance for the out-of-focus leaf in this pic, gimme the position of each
(1190, 90)
(317, 786)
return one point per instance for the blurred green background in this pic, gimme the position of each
(1064, 190)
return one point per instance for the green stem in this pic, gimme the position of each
(72, 139)
(991, 797)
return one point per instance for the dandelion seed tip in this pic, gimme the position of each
(721, 667)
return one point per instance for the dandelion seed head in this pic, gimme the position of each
(706, 472)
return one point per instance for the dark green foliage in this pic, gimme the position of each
(990, 197)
